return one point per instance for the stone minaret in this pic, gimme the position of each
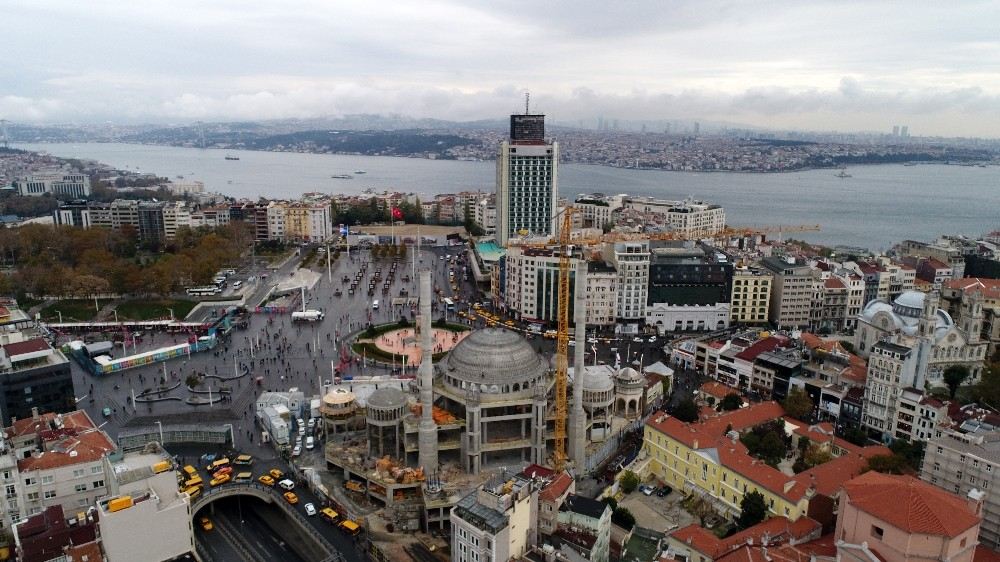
(428, 439)
(577, 432)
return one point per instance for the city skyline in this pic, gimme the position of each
(806, 66)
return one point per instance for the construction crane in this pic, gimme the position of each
(562, 340)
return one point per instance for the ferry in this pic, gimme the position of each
(342, 176)
(231, 157)
(360, 172)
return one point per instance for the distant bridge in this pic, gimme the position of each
(323, 549)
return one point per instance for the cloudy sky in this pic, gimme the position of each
(817, 65)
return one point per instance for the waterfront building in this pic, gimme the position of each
(527, 189)
(690, 217)
(66, 184)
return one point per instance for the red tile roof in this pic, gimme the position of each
(717, 389)
(910, 504)
(538, 471)
(26, 346)
(989, 287)
(556, 488)
(709, 430)
(776, 529)
(77, 441)
(984, 554)
(766, 344)
(834, 283)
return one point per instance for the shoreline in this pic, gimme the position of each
(965, 164)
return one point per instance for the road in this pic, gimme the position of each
(243, 519)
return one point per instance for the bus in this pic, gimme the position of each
(206, 291)
(449, 304)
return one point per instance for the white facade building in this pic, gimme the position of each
(687, 317)
(497, 522)
(631, 261)
(692, 217)
(74, 185)
(527, 193)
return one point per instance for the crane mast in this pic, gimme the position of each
(562, 340)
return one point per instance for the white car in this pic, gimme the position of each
(652, 339)
(310, 509)
(637, 339)
(311, 423)
(572, 343)
(591, 340)
(297, 450)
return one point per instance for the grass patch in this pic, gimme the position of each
(73, 310)
(26, 303)
(370, 350)
(154, 309)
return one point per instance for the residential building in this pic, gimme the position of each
(486, 214)
(736, 365)
(585, 526)
(751, 295)
(602, 294)
(891, 368)
(689, 287)
(57, 183)
(944, 250)
(631, 260)
(61, 461)
(919, 417)
(147, 482)
(791, 292)
(904, 520)
(531, 283)
(34, 376)
(697, 544)
(550, 499)
(963, 296)
(308, 222)
(496, 522)
(596, 210)
(527, 191)
(962, 463)
(52, 536)
(692, 218)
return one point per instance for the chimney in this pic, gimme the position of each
(975, 501)
(34, 414)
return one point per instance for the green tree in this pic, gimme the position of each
(731, 401)
(798, 404)
(686, 411)
(665, 384)
(987, 392)
(610, 501)
(629, 481)
(954, 376)
(772, 448)
(623, 518)
(753, 510)
(815, 455)
(888, 464)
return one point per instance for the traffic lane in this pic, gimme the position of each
(346, 545)
(217, 546)
(244, 519)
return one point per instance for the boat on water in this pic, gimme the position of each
(360, 172)
(342, 176)
(842, 174)
(231, 157)
(909, 163)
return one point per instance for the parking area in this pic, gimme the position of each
(662, 514)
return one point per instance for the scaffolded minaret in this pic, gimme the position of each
(428, 439)
(577, 417)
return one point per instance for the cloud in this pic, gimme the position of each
(805, 64)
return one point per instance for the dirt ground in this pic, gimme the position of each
(657, 514)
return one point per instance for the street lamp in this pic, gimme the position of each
(171, 314)
(160, 424)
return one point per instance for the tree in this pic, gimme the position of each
(731, 401)
(623, 518)
(629, 481)
(954, 376)
(665, 384)
(887, 464)
(987, 392)
(753, 510)
(772, 449)
(686, 411)
(798, 404)
(815, 455)
(610, 501)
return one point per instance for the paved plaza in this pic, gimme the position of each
(405, 342)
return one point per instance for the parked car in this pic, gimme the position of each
(664, 491)
(648, 490)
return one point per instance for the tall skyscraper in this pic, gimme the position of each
(527, 190)
(895, 130)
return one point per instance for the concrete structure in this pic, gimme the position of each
(577, 445)
(550, 499)
(792, 292)
(904, 520)
(527, 192)
(338, 410)
(428, 437)
(602, 294)
(891, 368)
(667, 317)
(629, 390)
(598, 385)
(156, 510)
(961, 464)
(496, 522)
(751, 296)
(58, 183)
(34, 377)
(384, 422)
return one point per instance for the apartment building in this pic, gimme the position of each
(751, 296)
(55, 183)
(584, 526)
(944, 250)
(596, 210)
(963, 297)
(497, 521)
(530, 286)
(486, 215)
(631, 260)
(891, 368)
(961, 463)
(602, 294)
(691, 217)
(60, 461)
(791, 292)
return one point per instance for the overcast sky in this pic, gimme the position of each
(817, 65)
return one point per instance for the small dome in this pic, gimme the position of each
(387, 398)
(597, 381)
(628, 374)
(493, 357)
(338, 397)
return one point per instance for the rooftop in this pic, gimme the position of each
(584, 506)
(69, 439)
(556, 488)
(910, 505)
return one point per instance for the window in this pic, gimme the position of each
(29, 481)
(95, 469)
(32, 496)
(48, 479)
(49, 494)
(98, 483)
(80, 488)
(78, 472)
(877, 532)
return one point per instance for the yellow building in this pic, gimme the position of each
(751, 296)
(699, 458)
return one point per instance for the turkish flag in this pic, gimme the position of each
(396, 213)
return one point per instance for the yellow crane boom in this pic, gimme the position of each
(562, 340)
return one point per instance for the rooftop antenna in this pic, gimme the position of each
(527, 99)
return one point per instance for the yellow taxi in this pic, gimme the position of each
(291, 498)
(276, 474)
(266, 480)
(206, 524)
(222, 479)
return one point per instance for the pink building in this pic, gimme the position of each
(902, 519)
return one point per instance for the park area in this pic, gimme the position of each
(84, 310)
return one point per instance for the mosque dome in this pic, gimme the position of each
(387, 398)
(597, 381)
(339, 397)
(628, 374)
(491, 360)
